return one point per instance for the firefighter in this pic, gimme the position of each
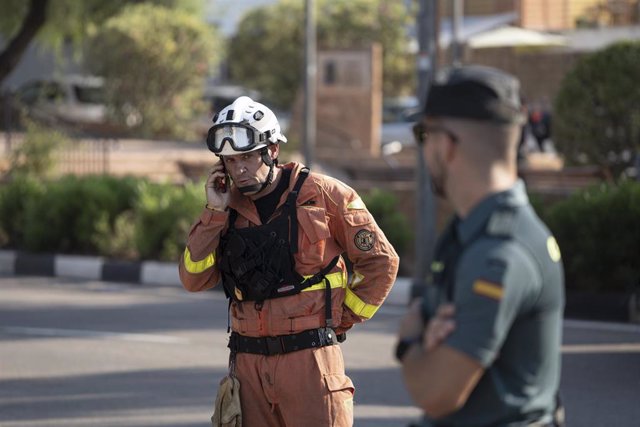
(273, 235)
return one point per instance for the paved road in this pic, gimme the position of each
(98, 354)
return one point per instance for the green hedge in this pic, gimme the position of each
(64, 217)
(15, 198)
(383, 205)
(598, 231)
(120, 217)
(126, 218)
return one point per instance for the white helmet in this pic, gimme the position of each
(243, 126)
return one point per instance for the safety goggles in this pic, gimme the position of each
(421, 132)
(240, 137)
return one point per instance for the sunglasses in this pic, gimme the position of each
(421, 132)
(241, 137)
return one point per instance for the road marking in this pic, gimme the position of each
(602, 326)
(50, 332)
(601, 348)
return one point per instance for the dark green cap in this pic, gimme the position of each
(475, 92)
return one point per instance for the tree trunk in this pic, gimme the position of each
(35, 19)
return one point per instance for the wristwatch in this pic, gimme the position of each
(404, 345)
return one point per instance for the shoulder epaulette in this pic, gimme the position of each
(501, 223)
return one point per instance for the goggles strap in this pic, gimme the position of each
(264, 154)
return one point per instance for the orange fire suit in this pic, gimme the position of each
(306, 387)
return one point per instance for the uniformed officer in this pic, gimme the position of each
(482, 347)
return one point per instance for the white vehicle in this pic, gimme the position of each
(77, 100)
(398, 117)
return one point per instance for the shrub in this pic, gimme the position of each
(597, 110)
(66, 215)
(35, 155)
(154, 60)
(117, 240)
(14, 199)
(163, 216)
(598, 232)
(383, 205)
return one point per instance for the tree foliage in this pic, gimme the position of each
(267, 51)
(56, 22)
(597, 110)
(154, 60)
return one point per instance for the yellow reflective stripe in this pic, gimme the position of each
(356, 204)
(356, 279)
(336, 280)
(195, 267)
(358, 306)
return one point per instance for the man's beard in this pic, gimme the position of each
(438, 188)
(438, 183)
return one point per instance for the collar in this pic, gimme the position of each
(479, 215)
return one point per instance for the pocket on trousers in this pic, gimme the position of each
(341, 391)
(339, 382)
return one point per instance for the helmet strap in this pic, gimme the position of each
(267, 160)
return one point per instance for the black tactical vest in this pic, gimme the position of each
(257, 263)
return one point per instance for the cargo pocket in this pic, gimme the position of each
(341, 393)
(312, 239)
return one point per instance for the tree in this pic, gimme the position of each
(154, 61)
(597, 110)
(59, 21)
(266, 53)
(34, 19)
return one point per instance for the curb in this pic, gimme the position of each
(19, 263)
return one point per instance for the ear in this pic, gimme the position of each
(450, 150)
(274, 150)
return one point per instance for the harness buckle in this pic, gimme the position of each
(326, 336)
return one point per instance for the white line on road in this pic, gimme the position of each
(602, 326)
(602, 348)
(50, 332)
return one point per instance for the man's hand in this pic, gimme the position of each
(440, 327)
(216, 199)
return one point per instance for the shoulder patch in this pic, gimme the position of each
(356, 204)
(553, 249)
(488, 289)
(437, 266)
(364, 240)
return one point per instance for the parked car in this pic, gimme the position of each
(398, 117)
(73, 100)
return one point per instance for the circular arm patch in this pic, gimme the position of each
(364, 240)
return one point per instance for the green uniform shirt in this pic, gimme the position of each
(501, 268)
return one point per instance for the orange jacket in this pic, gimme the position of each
(332, 220)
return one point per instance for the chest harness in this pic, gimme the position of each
(257, 263)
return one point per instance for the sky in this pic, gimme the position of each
(227, 13)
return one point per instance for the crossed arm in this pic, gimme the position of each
(439, 378)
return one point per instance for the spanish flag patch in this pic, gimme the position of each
(488, 289)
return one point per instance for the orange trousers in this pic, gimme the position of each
(306, 388)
